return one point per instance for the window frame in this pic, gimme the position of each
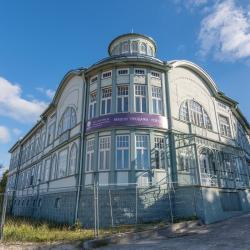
(122, 97)
(92, 105)
(105, 100)
(144, 149)
(158, 99)
(225, 128)
(122, 148)
(140, 97)
(105, 150)
(90, 150)
(109, 74)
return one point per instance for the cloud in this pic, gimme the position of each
(17, 131)
(48, 92)
(225, 32)
(4, 135)
(13, 105)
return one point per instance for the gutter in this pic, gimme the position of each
(81, 148)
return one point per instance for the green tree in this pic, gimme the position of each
(3, 181)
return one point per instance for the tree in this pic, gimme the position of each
(3, 181)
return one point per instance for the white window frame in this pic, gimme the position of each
(123, 72)
(122, 97)
(93, 79)
(105, 99)
(140, 71)
(159, 146)
(59, 163)
(72, 160)
(90, 155)
(225, 128)
(157, 97)
(92, 104)
(105, 147)
(143, 148)
(140, 97)
(122, 148)
(155, 74)
(107, 74)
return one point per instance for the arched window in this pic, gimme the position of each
(150, 51)
(192, 111)
(67, 121)
(72, 160)
(53, 173)
(134, 47)
(125, 47)
(143, 48)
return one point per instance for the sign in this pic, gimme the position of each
(127, 119)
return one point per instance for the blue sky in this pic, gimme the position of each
(41, 40)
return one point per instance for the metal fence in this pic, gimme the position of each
(106, 206)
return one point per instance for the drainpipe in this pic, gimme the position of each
(81, 157)
(173, 174)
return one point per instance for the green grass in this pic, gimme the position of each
(19, 229)
(26, 230)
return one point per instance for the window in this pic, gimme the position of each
(184, 112)
(51, 133)
(122, 72)
(150, 51)
(90, 155)
(155, 74)
(39, 203)
(72, 160)
(104, 152)
(193, 112)
(122, 152)
(122, 98)
(57, 202)
(142, 152)
(53, 173)
(183, 162)
(106, 101)
(143, 48)
(125, 47)
(140, 98)
(134, 47)
(92, 105)
(93, 79)
(62, 163)
(67, 121)
(159, 153)
(46, 170)
(140, 71)
(106, 74)
(224, 126)
(157, 100)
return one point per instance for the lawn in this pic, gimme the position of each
(18, 229)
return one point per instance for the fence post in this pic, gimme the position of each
(170, 203)
(111, 209)
(4, 206)
(97, 208)
(94, 200)
(136, 205)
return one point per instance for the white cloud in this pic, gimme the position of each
(13, 105)
(225, 32)
(4, 135)
(17, 131)
(48, 92)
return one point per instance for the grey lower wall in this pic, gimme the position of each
(44, 207)
(124, 206)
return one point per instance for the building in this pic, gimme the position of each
(132, 118)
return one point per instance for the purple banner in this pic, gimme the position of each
(127, 119)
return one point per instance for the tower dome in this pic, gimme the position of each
(132, 43)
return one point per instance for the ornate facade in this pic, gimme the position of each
(132, 118)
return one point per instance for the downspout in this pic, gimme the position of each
(173, 164)
(81, 148)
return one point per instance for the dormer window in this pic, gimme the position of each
(125, 47)
(106, 74)
(143, 48)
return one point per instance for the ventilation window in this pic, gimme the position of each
(106, 74)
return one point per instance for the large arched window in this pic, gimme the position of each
(53, 173)
(143, 48)
(72, 160)
(67, 121)
(192, 111)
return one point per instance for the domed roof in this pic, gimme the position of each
(132, 43)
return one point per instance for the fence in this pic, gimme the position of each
(105, 206)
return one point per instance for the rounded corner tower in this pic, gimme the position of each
(132, 43)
